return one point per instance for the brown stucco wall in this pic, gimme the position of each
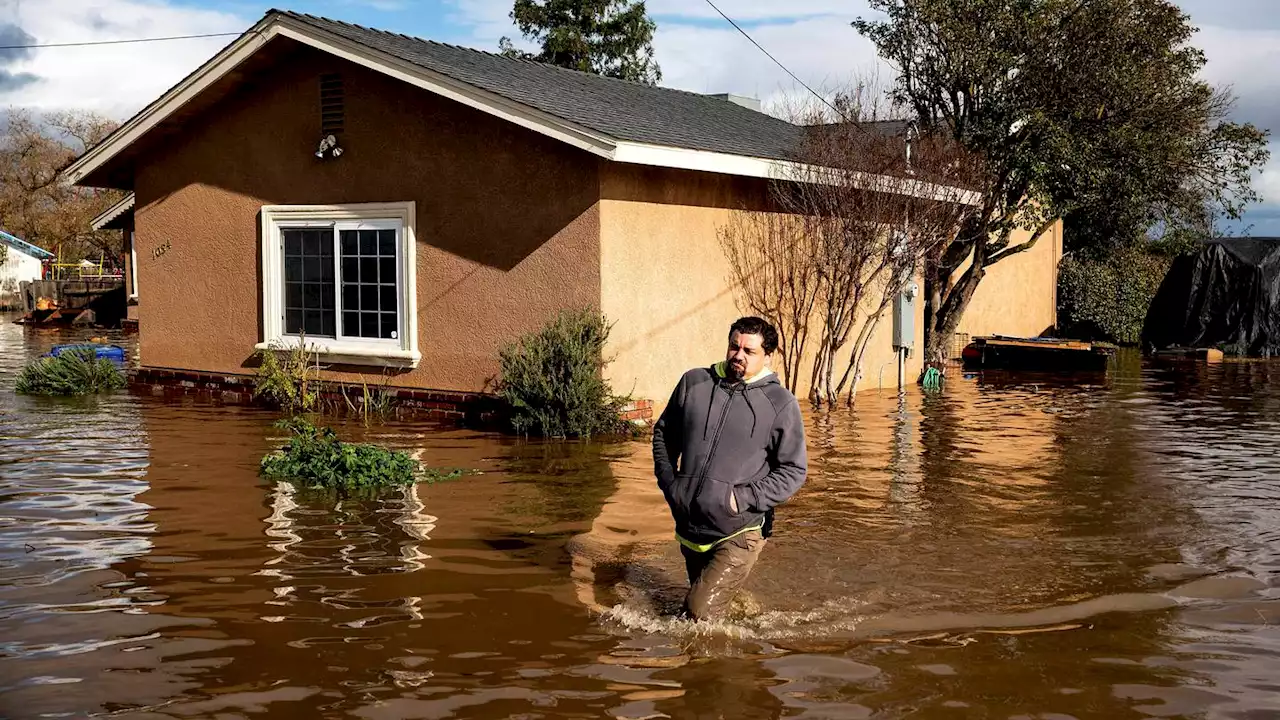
(1018, 296)
(507, 220)
(666, 283)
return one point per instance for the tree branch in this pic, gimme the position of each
(1023, 247)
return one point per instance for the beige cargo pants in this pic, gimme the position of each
(715, 576)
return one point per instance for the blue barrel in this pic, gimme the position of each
(114, 353)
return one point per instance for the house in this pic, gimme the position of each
(410, 206)
(21, 262)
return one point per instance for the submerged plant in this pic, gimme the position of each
(289, 377)
(316, 459)
(369, 403)
(75, 372)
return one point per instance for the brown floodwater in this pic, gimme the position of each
(1010, 548)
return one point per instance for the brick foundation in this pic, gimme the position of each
(639, 412)
(470, 408)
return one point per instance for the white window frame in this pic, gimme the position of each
(401, 216)
(133, 264)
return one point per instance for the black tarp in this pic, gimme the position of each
(1226, 295)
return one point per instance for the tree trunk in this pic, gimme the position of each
(946, 305)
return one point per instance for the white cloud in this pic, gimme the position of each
(1241, 59)
(116, 80)
(822, 53)
(1268, 181)
(752, 11)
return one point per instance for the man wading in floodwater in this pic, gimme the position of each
(728, 448)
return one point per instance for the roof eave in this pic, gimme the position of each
(103, 221)
(18, 243)
(88, 164)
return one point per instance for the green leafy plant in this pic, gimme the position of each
(289, 377)
(317, 459)
(552, 381)
(75, 372)
(1105, 297)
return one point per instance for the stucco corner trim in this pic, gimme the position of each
(384, 353)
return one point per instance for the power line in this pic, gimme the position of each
(775, 60)
(117, 42)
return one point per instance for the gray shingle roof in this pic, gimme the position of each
(620, 109)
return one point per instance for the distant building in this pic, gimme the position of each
(23, 262)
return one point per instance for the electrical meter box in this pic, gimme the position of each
(904, 317)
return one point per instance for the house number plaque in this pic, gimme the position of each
(161, 250)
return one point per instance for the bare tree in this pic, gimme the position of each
(854, 217)
(36, 203)
(771, 261)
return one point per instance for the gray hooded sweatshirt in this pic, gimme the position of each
(726, 453)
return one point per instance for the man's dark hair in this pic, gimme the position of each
(757, 326)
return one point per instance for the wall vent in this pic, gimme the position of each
(332, 104)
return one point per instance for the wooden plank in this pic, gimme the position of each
(1039, 344)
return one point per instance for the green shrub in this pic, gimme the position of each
(289, 378)
(75, 372)
(1106, 297)
(552, 380)
(317, 459)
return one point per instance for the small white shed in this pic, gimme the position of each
(22, 263)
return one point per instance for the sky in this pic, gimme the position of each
(696, 49)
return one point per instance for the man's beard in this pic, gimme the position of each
(734, 372)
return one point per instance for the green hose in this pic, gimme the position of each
(932, 379)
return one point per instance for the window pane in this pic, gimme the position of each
(309, 291)
(368, 276)
(369, 324)
(329, 329)
(313, 322)
(368, 297)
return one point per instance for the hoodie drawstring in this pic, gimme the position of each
(752, 406)
(706, 421)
